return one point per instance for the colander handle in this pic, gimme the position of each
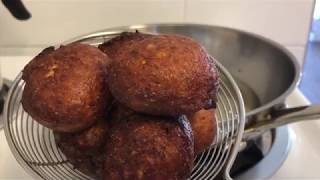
(282, 117)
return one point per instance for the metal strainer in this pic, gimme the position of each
(34, 147)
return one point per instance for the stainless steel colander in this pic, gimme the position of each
(34, 147)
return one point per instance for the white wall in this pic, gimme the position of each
(53, 21)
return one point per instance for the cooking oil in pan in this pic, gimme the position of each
(251, 100)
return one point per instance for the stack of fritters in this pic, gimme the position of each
(139, 106)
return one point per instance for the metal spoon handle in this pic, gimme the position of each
(283, 117)
(17, 9)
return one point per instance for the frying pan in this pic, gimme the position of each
(265, 71)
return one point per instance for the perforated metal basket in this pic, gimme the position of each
(35, 149)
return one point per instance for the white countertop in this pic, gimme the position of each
(302, 162)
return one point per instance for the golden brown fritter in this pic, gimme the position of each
(204, 128)
(147, 147)
(85, 149)
(66, 89)
(118, 45)
(164, 75)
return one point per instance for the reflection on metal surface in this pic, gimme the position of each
(273, 160)
(255, 150)
(251, 100)
(3, 95)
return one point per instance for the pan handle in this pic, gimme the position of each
(282, 117)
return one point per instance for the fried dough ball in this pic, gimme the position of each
(164, 75)
(204, 128)
(85, 149)
(146, 147)
(118, 45)
(66, 89)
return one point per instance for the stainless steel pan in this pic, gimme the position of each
(266, 73)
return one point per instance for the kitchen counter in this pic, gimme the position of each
(302, 162)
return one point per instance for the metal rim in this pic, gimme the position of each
(242, 123)
(8, 135)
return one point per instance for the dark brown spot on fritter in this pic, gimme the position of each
(119, 44)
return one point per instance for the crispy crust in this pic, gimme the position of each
(164, 75)
(204, 127)
(117, 45)
(85, 149)
(66, 89)
(146, 147)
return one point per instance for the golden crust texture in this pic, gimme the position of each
(85, 149)
(66, 89)
(146, 147)
(118, 45)
(164, 75)
(204, 128)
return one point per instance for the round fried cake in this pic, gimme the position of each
(164, 75)
(85, 149)
(66, 89)
(204, 128)
(146, 147)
